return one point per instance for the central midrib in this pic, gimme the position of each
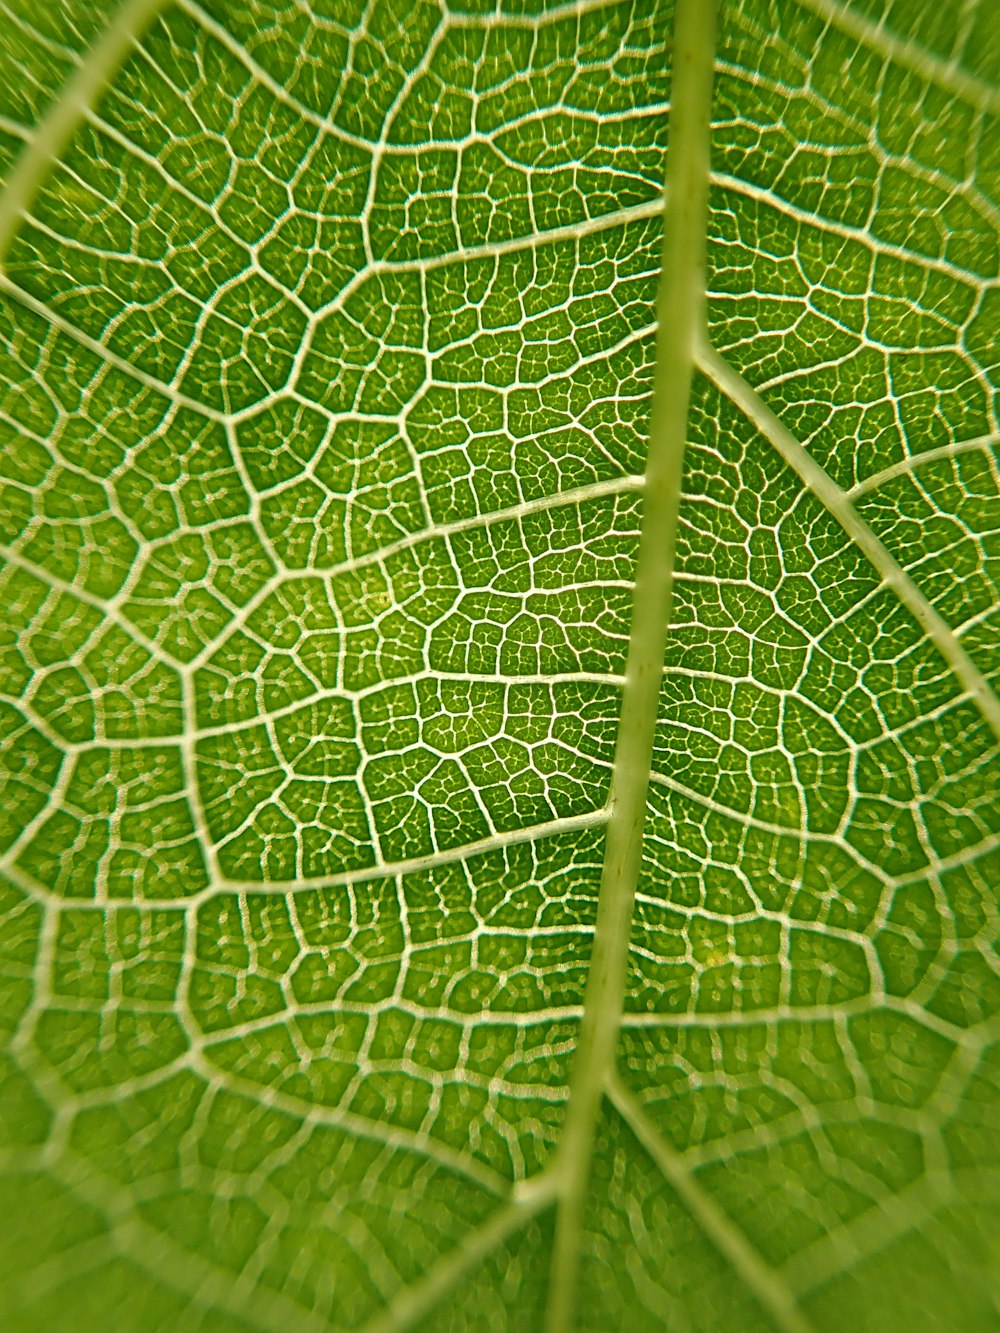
(680, 312)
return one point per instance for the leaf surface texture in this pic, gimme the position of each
(328, 343)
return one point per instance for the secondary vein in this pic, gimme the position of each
(56, 129)
(838, 502)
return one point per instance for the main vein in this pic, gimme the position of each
(680, 312)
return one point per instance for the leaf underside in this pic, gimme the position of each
(327, 349)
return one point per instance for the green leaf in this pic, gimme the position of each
(500, 801)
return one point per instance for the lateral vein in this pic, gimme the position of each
(731, 383)
(727, 1238)
(57, 127)
(947, 74)
(423, 1296)
(912, 462)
